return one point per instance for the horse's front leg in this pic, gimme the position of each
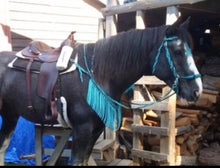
(7, 128)
(84, 137)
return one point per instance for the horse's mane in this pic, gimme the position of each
(118, 53)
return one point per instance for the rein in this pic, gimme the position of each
(101, 102)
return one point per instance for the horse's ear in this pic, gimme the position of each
(186, 23)
(179, 23)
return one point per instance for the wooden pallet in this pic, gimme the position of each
(103, 149)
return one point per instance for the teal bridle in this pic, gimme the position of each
(175, 74)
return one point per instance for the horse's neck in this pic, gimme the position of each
(127, 58)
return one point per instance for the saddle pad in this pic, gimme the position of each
(20, 63)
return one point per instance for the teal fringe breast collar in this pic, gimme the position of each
(108, 111)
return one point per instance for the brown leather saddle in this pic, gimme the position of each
(38, 51)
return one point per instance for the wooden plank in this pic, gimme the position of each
(82, 10)
(149, 130)
(96, 4)
(110, 31)
(137, 137)
(167, 144)
(46, 18)
(38, 146)
(143, 5)
(58, 150)
(149, 80)
(140, 20)
(91, 161)
(160, 157)
(183, 129)
(124, 162)
(161, 106)
(103, 145)
(65, 153)
(63, 3)
(114, 162)
(186, 160)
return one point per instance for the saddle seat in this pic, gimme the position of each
(46, 86)
(41, 51)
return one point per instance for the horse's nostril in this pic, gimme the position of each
(197, 93)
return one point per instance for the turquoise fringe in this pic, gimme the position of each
(108, 111)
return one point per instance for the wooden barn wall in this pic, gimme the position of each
(51, 21)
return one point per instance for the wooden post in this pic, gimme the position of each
(111, 21)
(101, 28)
(110, 30)
(140, 20)
(172, 15)
(169, 119)
(5, 33)
(167, 144)
(38, 146)
(137, 119)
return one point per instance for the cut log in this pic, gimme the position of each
(180, 140)
(211, 69)
(150, 123)
(183, 121)
(183, 130)
(192, 144)
(212, 92)
(188, 111)
(210, 82)
(151, 113)
(212, 98)
(184, 151)
(209, 156)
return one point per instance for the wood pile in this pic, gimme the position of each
(193, 125)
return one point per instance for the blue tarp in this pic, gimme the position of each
(23, 142)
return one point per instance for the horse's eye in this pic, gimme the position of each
(177, 52)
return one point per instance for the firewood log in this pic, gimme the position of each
(150, 123)
(188, 111)
(183, 121)
(184, 151)
(192, 144)
(180, 140)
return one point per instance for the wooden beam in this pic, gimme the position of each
(96, 4)
(150, 130)
(143, 5)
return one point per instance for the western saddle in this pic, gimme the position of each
(48, 81)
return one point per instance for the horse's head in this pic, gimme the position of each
(175, 65)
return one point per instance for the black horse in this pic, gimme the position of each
(113, 64)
